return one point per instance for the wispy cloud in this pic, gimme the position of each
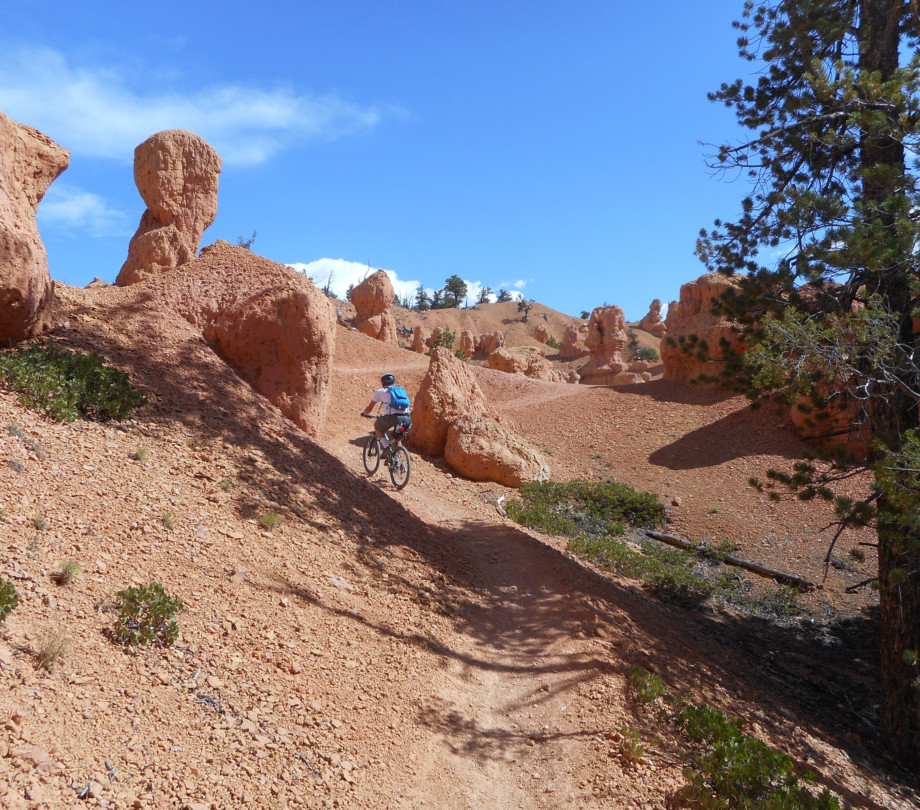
(94, 112)
(73, 209)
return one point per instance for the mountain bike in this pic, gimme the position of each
(395, 457)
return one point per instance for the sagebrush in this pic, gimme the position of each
(146, 615)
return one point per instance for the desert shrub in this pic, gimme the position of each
(146, 615)
(69, 571)
(647, 354)
(227, 484)
(51, 649)
(460, 354)
(584, 507)
(553, 343)
(737, 771)
(167, 519)
(68, 385)
(140, 454)
(630, 744)
(9, 599)
(269, 520)
(445, 339)
(647, 686)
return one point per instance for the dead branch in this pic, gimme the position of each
(747, 565)
(858, 585)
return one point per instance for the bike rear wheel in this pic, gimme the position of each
(400, 467)
(371, 454)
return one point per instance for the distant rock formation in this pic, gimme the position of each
(572, 348)
(419, 338)
(373, 298)
(652, 322)
(526, 360)
(467, 342)
(692, 315)
(29, 162)
(486, 343)
(177, 174)
(448, 392)
(271, 324)
(540, 333)
(606, 340)
(481, 449)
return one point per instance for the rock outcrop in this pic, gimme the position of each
(692, 315)
(29, 162)
(177, 174)
(481, 449)
(486, 343)
(572, 348)
(606, 340)
(467, 342)
(540, 333)
(652, 322)
(447, 393)
(527, 360)
(419, 340)
(271, 324)
(373, 298)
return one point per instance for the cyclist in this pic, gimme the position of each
(388, 419)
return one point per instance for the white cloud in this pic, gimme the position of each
(70, 208)
(94, 111)
(345, 273)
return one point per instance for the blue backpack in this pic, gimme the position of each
(399, 399)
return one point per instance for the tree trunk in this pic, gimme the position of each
(899, 579)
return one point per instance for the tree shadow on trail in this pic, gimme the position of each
(515, 599)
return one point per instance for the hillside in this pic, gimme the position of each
(382, 649)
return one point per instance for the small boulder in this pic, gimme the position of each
(526, 360)
(481, 449)
(540, 333)
(29, 163)
(177, 174)
(373, 298)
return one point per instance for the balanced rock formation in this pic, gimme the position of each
(373, 298)
(527, 360)
(692, 315)
(486, 344)
(540, 333)
(571, 349)
(652, 322)
(177, 174)
(29, 162)
(467, 342)
(606, 340)
(481, 449)
(419, 340)
(271, 324)
(448, 392)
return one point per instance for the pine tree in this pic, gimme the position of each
(503, 296)
(422, 301)
(834, 113)
(437, 299)
(484, 295)
(454, 292)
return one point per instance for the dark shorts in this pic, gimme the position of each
(386, 422)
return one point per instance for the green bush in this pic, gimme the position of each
(647, 354)
(68, 385)
(445, 339)
(647, 686)
(553, 343)
(9, 599)
(737, 771)
(146, 614)
(630, 744)
(269, 520)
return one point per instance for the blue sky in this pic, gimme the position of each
(551, 148)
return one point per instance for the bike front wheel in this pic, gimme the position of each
(400, 467)
(371, 454)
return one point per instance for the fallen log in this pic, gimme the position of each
(730, 559)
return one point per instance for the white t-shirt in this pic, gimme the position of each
(382, 395)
